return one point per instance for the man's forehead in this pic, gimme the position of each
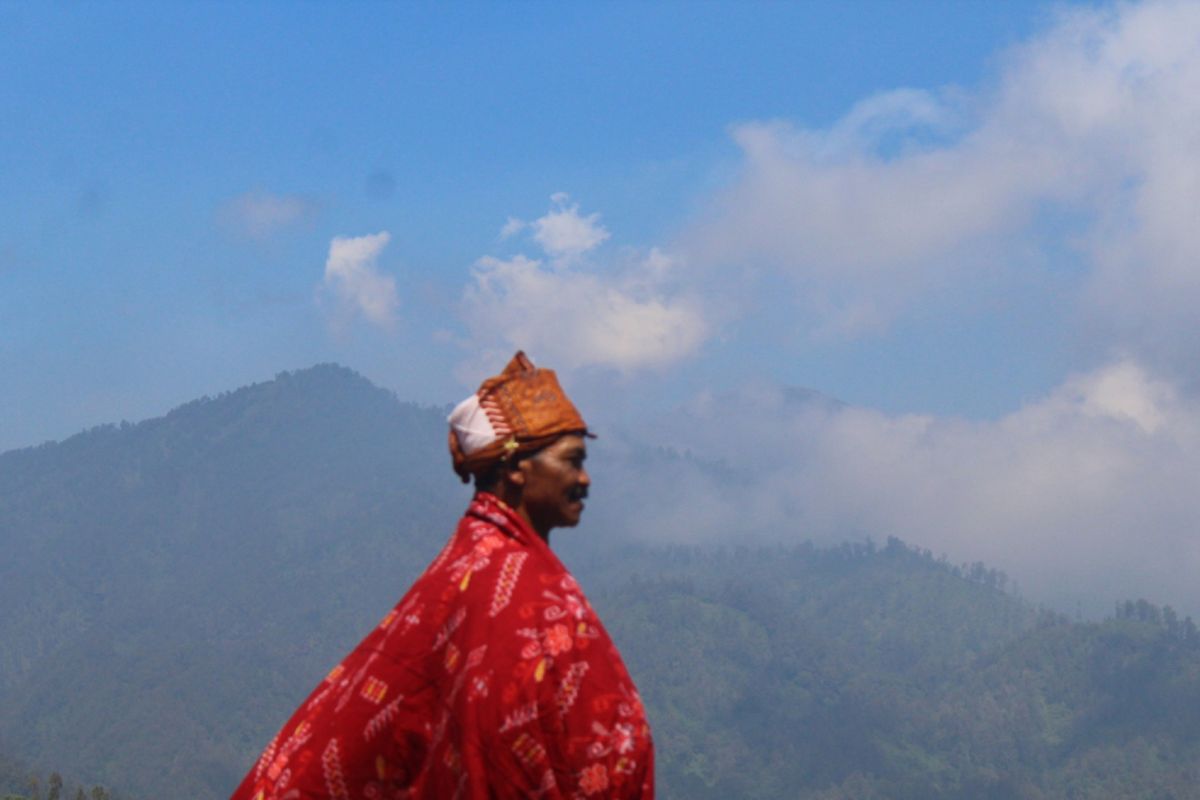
(571, 444)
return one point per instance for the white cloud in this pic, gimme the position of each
(1092, 122)
(625, 314)
(354, 281)
(1087, 494)
(512, 227)
(564, 234)
(575, 319)
(1122, 392)
(261, 215)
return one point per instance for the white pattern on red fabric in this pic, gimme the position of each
(568, 690)
(449, 628)
(506, 581)
(335, 781)
(267, 755)
(520, 716)
(379, 722)
(454, 690)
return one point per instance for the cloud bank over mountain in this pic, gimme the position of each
(1086, 495)
(1065, 184)
(1075, 166)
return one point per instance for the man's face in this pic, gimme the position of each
(556, 484)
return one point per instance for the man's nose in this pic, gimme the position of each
(584, 478)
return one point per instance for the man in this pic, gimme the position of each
(493, 677)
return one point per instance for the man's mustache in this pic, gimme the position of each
(578, 493)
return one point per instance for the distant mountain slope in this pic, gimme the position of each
(14, 776)
(175, 581)
(777, 671)
(173, 588)
(860, 674)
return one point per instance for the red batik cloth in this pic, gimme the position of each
(492, 678)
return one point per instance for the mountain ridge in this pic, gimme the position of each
(175, 586)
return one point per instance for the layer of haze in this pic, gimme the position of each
(1030, 236)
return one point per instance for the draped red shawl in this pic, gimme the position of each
(492, 678)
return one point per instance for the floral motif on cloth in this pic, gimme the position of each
(491, 678)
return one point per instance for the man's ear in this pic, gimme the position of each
(515, 473)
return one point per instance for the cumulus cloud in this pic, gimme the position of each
(1084, 495)
(624, 314)
(261, 215)
(354, 282)
(578, 319)
(512, 227)
(564, 233)
(1082, 151)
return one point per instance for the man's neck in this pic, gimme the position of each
(511, 498)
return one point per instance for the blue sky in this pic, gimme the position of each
(131, 127)
(972, 222)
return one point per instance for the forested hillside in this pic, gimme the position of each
(171, 585)
(861, 673)
(173, 588)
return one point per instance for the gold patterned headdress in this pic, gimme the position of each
(521, 410)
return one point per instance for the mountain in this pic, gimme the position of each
(173, 588)
(169, 586)
(856, 673)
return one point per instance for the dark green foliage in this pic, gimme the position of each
(172, 589)
(170, 586)
(17, 783)
(789, 669)
(14, 775)
(843, 674)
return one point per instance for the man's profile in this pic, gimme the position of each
(492, 677)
